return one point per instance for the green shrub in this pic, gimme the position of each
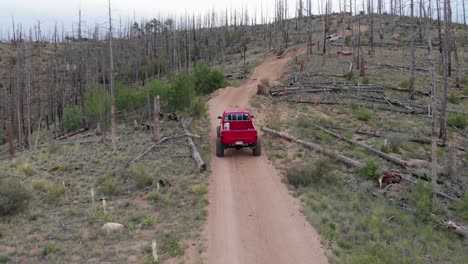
(13, 196)
(208, 80)
(127, 98)
(350, 76)
(97, 103)
(463, 41)
(48, 249)
(458, 120)
(54, 193)
(422, 198)
(354, 106)
(157, 87)
(154, 195)
(199, 108)
(4, 259)
(304, 122)
(54, 148)
(464, 80)
(462, 207)
(348, 40)
(109, 186)
(370, 171)
(170, 245)
(364, 115)
(40, 186)
(198, 189)
(33, 216)
(364, 41)
(147, 222)
(365, 80)
(3, 135)
(13, 60)
(182, 92)
(393, 143)
(454, 99)
(385, 147)
(72, 118)
(26, 168)
(404, 84)
(152, 68)
(318, 173)
(141, 177)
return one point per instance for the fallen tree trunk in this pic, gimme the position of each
(308, 102)
(61, 137)
(379, 135)
(148, 150)
(94, 140)
(437, 192)
(383, 107)
(193, 150)
(329, 153)
(284, 54)
(457, 229)
(397, 161)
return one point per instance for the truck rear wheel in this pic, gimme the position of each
(257, 148)
(218, 131)
(219, 148)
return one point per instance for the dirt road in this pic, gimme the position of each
(252, 218)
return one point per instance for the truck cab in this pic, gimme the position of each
(236, 130)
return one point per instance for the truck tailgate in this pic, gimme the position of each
(233, 137)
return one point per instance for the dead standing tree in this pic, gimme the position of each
(157, 111)
(445, 72)
(113, 129)
(433, 106)
(412, 60)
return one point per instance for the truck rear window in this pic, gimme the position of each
(237, 117)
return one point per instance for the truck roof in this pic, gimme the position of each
(236, 111)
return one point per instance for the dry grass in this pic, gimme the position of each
(62, 223)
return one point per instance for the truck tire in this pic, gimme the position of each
(219, 148)
(218, 131)
(257, 149)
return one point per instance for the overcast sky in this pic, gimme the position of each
(28, 12)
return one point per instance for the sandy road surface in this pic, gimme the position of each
(252, 218)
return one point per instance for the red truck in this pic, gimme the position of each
(236, 130)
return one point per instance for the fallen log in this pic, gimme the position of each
(94, 140)
(283, 54)
(193, 150)
(408, 110)
(308, 102)
(457, 229)
(329, 153)
(148, 150)
(441, 194)
(384, 155)
(65, 136)
(378, 135)
(383, 108)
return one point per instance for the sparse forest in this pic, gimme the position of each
(368, 125)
